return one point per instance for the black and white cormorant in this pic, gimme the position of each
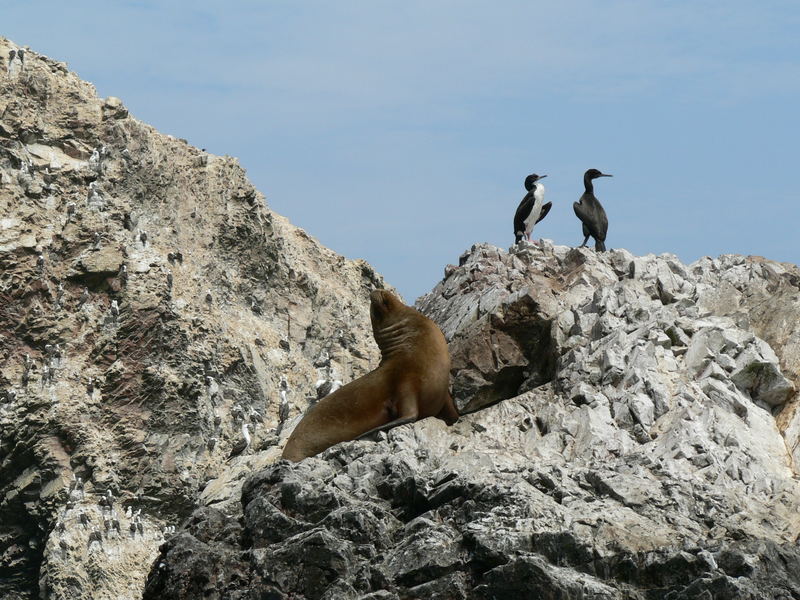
(532, 209)
(589, 210)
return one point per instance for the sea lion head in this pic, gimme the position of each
(383, 306)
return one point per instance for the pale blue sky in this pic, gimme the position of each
(401, 132)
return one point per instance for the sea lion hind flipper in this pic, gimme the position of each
(449, 413)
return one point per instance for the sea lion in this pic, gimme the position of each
(410, 383)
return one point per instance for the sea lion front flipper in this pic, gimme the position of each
(390, 425)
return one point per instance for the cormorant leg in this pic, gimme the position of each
(586, 239)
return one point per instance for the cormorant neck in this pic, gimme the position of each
(587, 184)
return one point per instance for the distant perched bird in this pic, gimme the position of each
(79, 489)
(327, 384)
(40, 262)
(16, 53)
(84, 297)
(324, 359)
(283, 407)
(97, 239)
(589, 210)
(532, 209)
(114, 309)
(96, 160)
(255, 417)
(143, 237)
(95, 537)
(93, 196)
(243, 444)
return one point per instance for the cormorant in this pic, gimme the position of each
(589, 210)
(532, 209)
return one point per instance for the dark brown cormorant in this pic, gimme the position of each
(591, 213)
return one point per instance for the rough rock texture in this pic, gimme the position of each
(630, 431)
(216, 297)
(632, 437)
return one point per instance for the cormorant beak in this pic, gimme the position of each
(542, 176)
(605, 175)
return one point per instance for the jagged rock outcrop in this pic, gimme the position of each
(632, 437)
(159, 303)
(630, 430)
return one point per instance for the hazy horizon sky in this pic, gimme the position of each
(401, 132)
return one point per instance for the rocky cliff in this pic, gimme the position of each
(150, 307)
(629, 430)
(633, 434)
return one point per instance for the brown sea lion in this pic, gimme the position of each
(410, 383)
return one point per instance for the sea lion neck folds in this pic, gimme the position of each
(393, 339)
(410, 383)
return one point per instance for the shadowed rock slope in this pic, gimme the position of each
(150, 304)
(636, 438)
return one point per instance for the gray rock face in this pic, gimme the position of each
(134, 381)
(632, 437)
(630, 430)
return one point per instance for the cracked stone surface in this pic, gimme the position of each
(630, 434)
(630, 425)
(215, 303)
